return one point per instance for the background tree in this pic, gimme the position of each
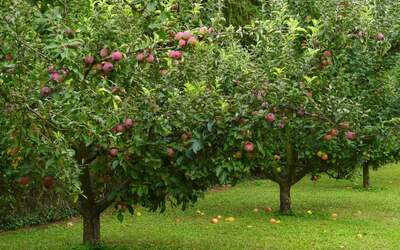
(318, 104)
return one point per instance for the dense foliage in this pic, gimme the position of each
(123, 103)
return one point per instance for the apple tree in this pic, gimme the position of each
(114, 104)
(319, 103)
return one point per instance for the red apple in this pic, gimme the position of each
(170, 152)
(334, 132)
(117, 56)
(327, 53)
(55, 76)
(192, 41)
(326, 62)
(270, 117)
(107, 67)
(350, 135)
(203, 31)
(45, 91)
(24, 180)
(249, 147)
(89, 60)
(179, 36)
(327, 137)
(140, 57)
(150, 58)
(8, 57)
(344, 125)
(113, 152)
(380, 36)
(182, 43)
(175, 54)
(325, 157)
(48, 182)
(186, 35)
(128, 123)
(104, 52)
(120, 128)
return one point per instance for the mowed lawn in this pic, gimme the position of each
(366, 220)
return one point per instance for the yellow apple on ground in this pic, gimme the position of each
(230, 219)
(255, 210)
(334, 216)
(214, 221)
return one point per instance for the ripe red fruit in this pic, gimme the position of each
(150, 58)
(270, 117)
(334, 132)
(301, 112)
(104, 52)
(203, 31)
(8, 57)
(325, 157)
(350, 135)
(88, 60)
(192, 41)
(45, 91)
(120, 128)
(107, 67)
(327, 53)
(48, 182)
(24, 180)
(327, 137)
(344, 125)
(182, 43)
(140, 57)
(326, 62)
(186, 35)
(179, 36)
(117, 56)
(380, 37)
(170, 152)
(113, 152)
(248, 147)
(175, 54)
(128, 123)
(55, 76)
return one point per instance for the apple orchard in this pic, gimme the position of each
(118, 105)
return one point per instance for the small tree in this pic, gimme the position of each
(317, 104)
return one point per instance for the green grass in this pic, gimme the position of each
(374, 214)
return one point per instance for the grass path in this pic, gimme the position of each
(366, 220)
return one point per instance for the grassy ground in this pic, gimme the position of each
(366, 220)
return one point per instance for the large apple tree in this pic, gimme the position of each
(114, 103)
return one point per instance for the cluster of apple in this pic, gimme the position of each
(326, 59)
(48, 181)
(145, 56)
(350, 135)
(106, 66)
(120, 128)
(56, 76)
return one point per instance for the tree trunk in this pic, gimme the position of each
(91, 227)
(285, 202)
(366, 181)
